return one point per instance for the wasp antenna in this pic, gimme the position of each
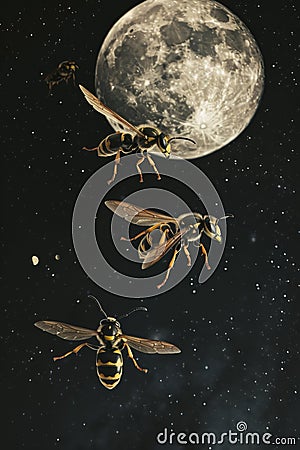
(99, 304)
(183, 138)
(140, 308)
(226, 217)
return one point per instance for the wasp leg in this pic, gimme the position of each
(187, 254)
(130, 354)
(152, 163)
(138, 167)
(171, 264)
(49, 84)
(142, 246)
(75, 350)
(90, 149)
(142, 233)
(142, 250)
(117, 162)
(163, 237)
(204, 252)
(169, 229)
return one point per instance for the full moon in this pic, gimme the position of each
(189, 67)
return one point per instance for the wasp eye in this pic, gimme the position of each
(212, 228)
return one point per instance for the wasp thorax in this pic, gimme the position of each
(149, 139)
(188, 220)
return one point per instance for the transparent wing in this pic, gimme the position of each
(106, 111)
(156, 253)
(138, 216)
(150, 346)
(65, 331)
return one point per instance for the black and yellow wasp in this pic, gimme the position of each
(141, 138)
(64, 72)
(188, 228)
(112, 342)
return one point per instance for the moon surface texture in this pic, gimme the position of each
(188, 67)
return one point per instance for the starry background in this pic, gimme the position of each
(239, 332)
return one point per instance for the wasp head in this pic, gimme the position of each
(109, 327)
(163, 144)
(211, 228)
(73, 66)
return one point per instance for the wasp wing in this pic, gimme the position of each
(138, 216)
(106, 111)
(66, 331)
(149, 345)
(153, 255)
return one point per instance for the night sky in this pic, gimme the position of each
(238, 332)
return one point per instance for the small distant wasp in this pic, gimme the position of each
(141, 138)
(109, 360)
(189, 227)
(64, 72)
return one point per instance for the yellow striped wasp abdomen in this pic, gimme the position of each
(111, 343)
(109, 365)
(187, 228)
(141, 138)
